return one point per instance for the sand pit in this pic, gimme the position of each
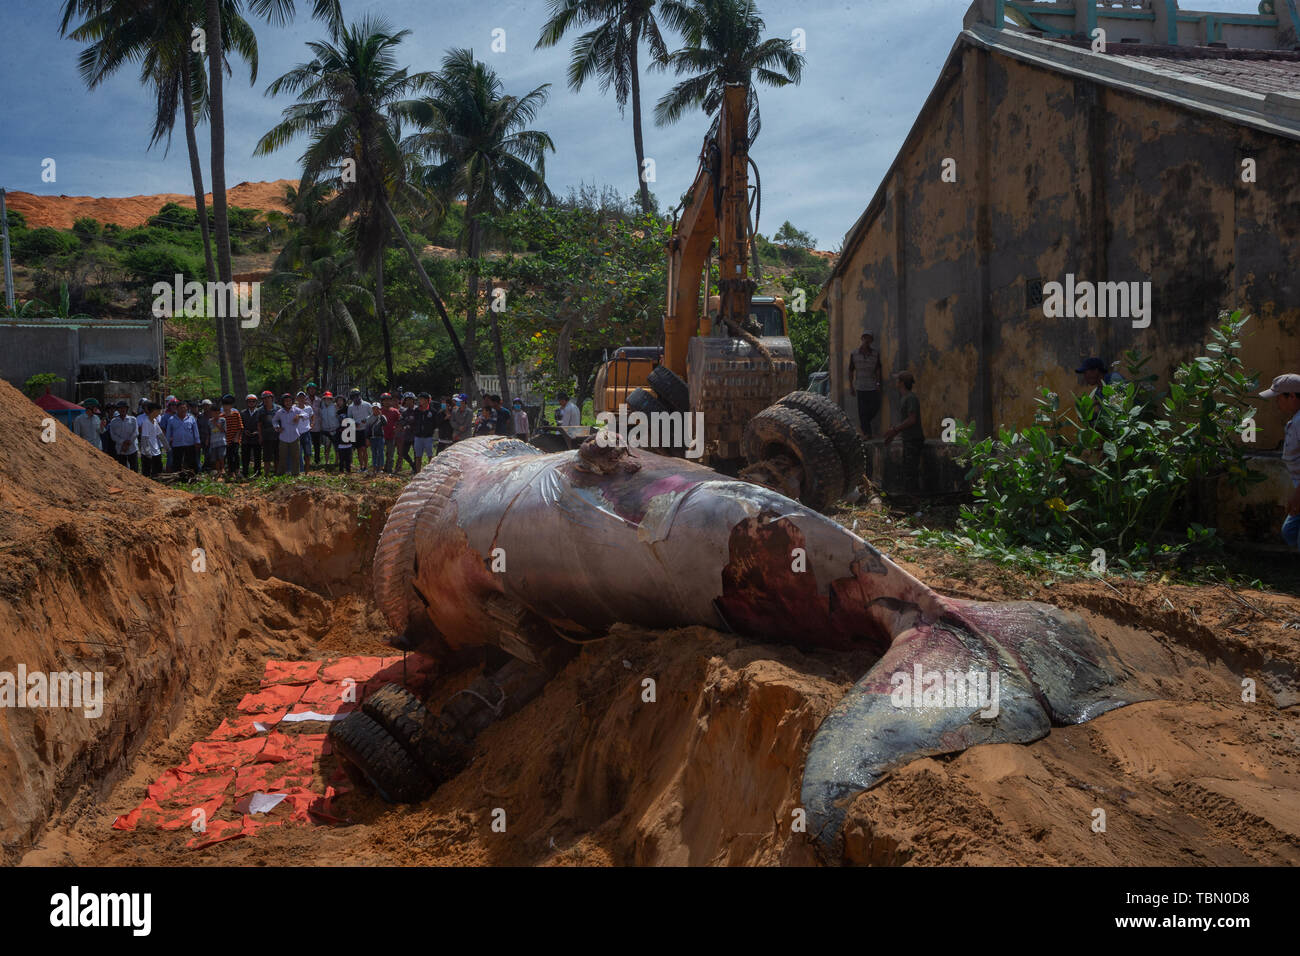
(60, 212)
(95, 573)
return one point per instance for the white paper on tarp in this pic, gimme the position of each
(309, 715)
(265, 802)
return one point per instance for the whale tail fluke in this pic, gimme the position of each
(984, 673)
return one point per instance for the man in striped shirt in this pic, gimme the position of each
(234, 433)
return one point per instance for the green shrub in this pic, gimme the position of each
(1116, 472)
(34, 245)
(162, 263)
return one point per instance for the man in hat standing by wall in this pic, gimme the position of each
(1285, 390)
(865, 372)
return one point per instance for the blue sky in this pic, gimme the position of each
(824, 147)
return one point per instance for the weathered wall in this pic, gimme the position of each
(1055, 176)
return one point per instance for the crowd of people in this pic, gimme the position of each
(294, 434)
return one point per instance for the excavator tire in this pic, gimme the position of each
(670, 388)
(407, 721)
(779, 430)
(835, 425)
(641, 400)
(366, 748)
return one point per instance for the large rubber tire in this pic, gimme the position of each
(781, 430)
(408, 722)
(835, 425)
(670, 388)
(384, 763)
(640, 400)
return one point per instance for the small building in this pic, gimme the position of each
(1161, 152)
(95, 358)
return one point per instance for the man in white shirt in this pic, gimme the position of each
(1286, 390)
(290, 422)
(567, 414)
(124, 431)
(87, 426)
(151, 440)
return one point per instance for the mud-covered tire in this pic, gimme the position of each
(641, 400)
(835, 425)
(408, 722)
(549, 442)
(362, 742)
(778, 429)
(670, 388)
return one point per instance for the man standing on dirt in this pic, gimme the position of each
(125, 432)
(424, 429)
(234, 434)
(183, 440)
(269, 446)
(867, 375)
(290, 422)
(910, 430)
(391, 415)
(312, 447)
(1286, 391)
(252, 445)
(151, 437)
(86, 427)
(329, 423)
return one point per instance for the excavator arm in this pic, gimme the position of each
(718, 205)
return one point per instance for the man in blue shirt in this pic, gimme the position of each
(183, 439)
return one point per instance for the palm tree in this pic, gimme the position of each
(322, 290)
(351, 101)
(156, 33)
(610, 50)
(276, 11)
(723, 44)
(480, 150)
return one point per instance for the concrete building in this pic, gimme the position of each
(1167, 155)
(99, 358)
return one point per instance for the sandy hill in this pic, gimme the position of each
(129, 211)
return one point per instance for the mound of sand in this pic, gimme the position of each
(129, 211)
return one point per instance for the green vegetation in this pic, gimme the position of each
(1118, 472)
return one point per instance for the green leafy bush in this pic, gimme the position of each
(33, 245)
(1116, 471)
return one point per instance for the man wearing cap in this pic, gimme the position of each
(1285, 390)
(302, 402)
(86, 427)
(252, 444)
(124, 432)
(462, 419)
(866, 373)
(290, 421)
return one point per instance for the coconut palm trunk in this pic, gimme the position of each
(637, 139)
(383, 316)
(471, 384)
(495, 331)
(201, 206)
(471, 304)
(221, 218)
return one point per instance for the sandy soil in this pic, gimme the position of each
(130, 211)
(589, 773)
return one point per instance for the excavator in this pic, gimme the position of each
(734, 363)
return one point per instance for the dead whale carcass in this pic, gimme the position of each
(496, 543)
